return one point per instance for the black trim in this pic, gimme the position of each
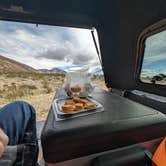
(98, 51)
(42, 20)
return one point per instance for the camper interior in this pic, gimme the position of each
(127, 40)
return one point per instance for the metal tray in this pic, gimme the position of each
(60, 102)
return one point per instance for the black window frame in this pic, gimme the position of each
(147, 32)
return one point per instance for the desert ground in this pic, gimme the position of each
(37, 89)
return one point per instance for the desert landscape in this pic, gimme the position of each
(37, 87)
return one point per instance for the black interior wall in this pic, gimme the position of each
(120, 27)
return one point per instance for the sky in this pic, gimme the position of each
(45, 47)
(155, 54)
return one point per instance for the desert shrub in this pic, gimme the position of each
(26, 89)
(46, 87)
(10, 91)
(29, 87)
(1, 93)
(13, 91)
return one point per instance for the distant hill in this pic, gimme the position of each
(53, 70)
(57, 70)
(10, 65)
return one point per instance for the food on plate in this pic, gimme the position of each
(83, 101)
(77, 104)
(70, 102)
(79, 100)
(68, 108)
(76, 99)
(90, 105)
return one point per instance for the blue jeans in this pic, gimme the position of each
(18, 121)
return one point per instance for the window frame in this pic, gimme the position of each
(140, 85)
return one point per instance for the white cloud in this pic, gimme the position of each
(155, 47)
(47, 46)
(148, 73)
(154, 58)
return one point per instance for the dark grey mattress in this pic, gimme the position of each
(123, 123)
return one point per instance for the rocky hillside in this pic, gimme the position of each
(10, 65)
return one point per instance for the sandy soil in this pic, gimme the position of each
(38, 92)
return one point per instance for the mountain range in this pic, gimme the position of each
(9, 65)
(53, 70)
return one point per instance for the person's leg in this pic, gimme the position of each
(16, 120)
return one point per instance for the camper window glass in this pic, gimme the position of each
(154, 62)
(34, 60)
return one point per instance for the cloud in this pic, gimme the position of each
(54, 54)
(148, 73)
(154, 58)
(83, 58)
(50, 44)
(155, 48)
(68, 54)
(155, 54)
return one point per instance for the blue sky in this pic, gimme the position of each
(47, 46)
(155, 54)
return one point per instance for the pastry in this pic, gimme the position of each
(90, 105)
(79, 106)
(84, 101)
(76, 99)
(68, 108)
(70, 102)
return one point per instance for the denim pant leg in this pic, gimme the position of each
(16, 119)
